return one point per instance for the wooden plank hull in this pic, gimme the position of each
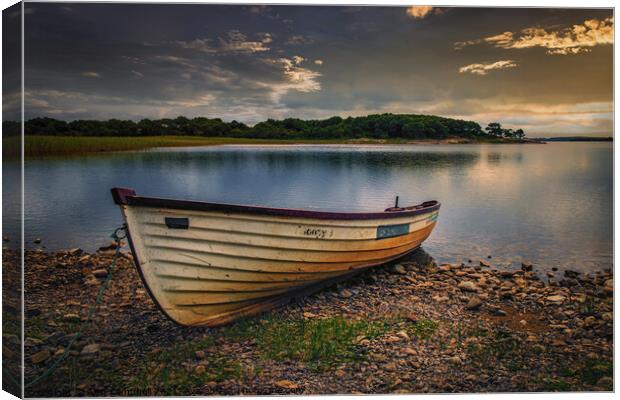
(210, 265)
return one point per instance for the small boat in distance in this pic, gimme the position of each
(209, 264)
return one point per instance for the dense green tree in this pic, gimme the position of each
(519, 134)
(407, 126)
(494, 129)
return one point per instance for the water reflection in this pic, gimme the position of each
(548, 203)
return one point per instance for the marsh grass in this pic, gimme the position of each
(42, 146)
(46, 146)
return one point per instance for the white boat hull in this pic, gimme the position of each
(209, 267)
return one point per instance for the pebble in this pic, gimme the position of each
(456, 360)
(100, 273)
(556, 298)
(392, 339)
(71, 317)
(90, 349)
(605, 383)
(74, 252)
(527, 266)
(41, 356)
(589, 321)
(474, 303)
(409, 351)
(31, 342)
(200, 369)
(286, 384)
(468, 286)
(399, 269)
(440, 299)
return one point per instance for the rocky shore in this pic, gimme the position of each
(408, 327)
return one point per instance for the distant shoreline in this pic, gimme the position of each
(45, 146)
(576, 139)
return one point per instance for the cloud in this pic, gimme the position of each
(296, 78)
(62, 103)
(318, 62)
(137, 74)
(419, 12)
(258, 9)
(483, 69)
(298, 60)
(299, 39)
(238, 43)
(91, 74)
(204, 45)
(210, 73)
(573, 40)
(235, 42)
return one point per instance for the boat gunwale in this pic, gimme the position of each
(126, 196)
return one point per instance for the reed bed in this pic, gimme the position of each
(42, 146)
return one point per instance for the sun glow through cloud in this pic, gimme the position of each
(420, 12)
(576, 39)
(483, 69)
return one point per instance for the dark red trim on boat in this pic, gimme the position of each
(123, 196)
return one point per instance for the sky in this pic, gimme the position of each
(548, 71)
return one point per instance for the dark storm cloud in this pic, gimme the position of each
(254, 62)
(11, 63)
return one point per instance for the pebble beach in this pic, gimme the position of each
(410, 326)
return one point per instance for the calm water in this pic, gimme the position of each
(551, 204)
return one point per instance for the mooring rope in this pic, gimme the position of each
(102, 289)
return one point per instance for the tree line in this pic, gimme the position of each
(495, 129)
(380, 126)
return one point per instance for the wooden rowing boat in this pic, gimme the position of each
(209, 264)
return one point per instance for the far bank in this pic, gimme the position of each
(43, 145)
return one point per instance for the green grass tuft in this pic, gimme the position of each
(424, 329)
(171, 372)
(320, 342)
